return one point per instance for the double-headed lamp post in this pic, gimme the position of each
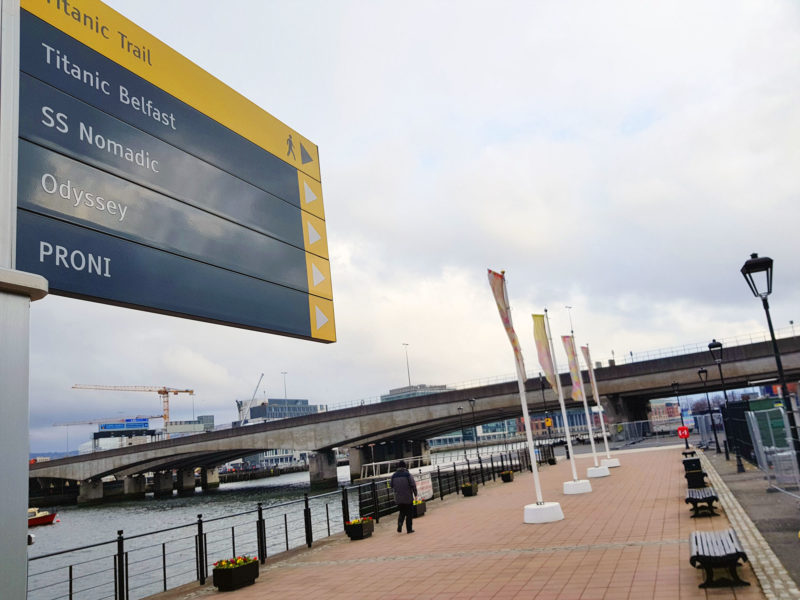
(474, 428)
(757, 272)
(676, 388)
(715, 348)
(461, 423)
(703, 375)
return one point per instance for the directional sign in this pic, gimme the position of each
(146, 182)
(683, 432)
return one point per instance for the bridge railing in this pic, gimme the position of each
(627, 357)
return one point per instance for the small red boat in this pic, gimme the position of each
(40, 517)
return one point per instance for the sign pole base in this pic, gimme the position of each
(592, 472)
(611, 463)
(577, 486)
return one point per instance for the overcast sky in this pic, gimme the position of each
(622, 158)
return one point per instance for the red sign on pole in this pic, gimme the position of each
(683, 432)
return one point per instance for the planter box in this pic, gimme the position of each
(470, 490)
(507, 476)
(419, 510)
(238, 577)
(359, 531)
(551, 460)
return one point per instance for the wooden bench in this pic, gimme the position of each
(695, 479)
(705, 496)
(711, 550)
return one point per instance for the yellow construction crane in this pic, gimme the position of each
(162, 391)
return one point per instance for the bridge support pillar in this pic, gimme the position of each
(162, 484)
(356, 460)
(322, 470)
(90, 492)
(209, 479)
(185, 482)
(133, 487)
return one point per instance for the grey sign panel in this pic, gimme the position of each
(52, 184)
(83, 263)
(56, 120)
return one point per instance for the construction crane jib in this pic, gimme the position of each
(162, 391)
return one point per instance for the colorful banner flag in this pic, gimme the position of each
(574, 368)
(543, 350)
(588, 360)
(497, 282)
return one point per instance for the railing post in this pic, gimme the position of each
(491, 463)
(201, 552)
(261, 533)
(502, 463)
(469, 472)
(328, 518)
(480, 467)
(163, 565)
(375, 507)
(120, 564)
(307, 520)
(439, 479)
(70, 582)
(286, 530)
(727, 452)
(345, 506)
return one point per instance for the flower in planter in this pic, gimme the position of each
(466, 485)
(232, 563)
(417, 502)
(358, 521)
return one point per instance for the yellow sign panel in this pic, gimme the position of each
(548, 422)
(322, 323)
(318, 271)
(315, 237)
(310, 195)
(103, 29)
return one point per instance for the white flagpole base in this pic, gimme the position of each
(579, 486)
(610, 462)
(547, 512)
(597, 472)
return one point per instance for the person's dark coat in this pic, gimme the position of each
(404, 487)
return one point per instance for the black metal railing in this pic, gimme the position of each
(135, 566)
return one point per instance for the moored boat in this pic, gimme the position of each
(40, 517)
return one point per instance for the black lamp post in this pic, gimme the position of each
(463, 439)
(474, 428)
(757, 273)
(703, 375)
(546, 412)
(675, 388)
(715, 348)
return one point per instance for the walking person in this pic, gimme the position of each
(405, 489)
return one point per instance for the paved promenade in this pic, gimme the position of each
(627, 539)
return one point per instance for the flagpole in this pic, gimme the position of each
(560, 397)
(609, 462)
(518, 361)
(541, 511)
(574, 353)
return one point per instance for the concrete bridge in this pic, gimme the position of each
(400, 428)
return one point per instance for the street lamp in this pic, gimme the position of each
(546, 412)
(715, 348)
(284, 383)
(461, 423)
(675, 388)
(757, 272)
(408, 369)
(703, 375)
(474, 428)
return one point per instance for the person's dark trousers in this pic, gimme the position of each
(405, 513)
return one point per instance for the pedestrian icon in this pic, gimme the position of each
(290, 145)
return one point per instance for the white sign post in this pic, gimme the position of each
(17, 290)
